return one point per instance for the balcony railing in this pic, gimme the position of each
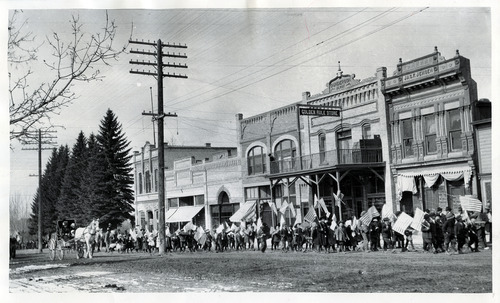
(327, 158)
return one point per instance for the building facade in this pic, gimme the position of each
(417, 138)
(430, 102)
(203, 185)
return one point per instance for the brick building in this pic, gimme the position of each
(203, 184)
(432, 143)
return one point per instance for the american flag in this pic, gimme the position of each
(470, 203)
(402, 223)
(310, 216)
(416, 224)
(371, 213)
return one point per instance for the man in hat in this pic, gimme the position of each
(374, 234)
(460, 233)
(426, 233)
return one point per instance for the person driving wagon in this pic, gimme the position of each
(67, 231)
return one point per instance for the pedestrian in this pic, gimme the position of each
(473, 238)
(460, 232)
(426, 234)
(363, 228)
(262, 238)
(340, 236)
(107, 238)
(449, 231)
(409, 239)
(439, 235)
(374, 230)
(275, 238)
(387, 233)
(487, 226)
(283, 237)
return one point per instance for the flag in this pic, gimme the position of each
(283, 207)
(470, 203)
(369, 215)
(416, 224)
(167, 231)
(234, 227)
(189, 226)
(388, 213)
(315, 201)
(292, 209)
(221, 228)
(310, 216)
(243, 225)
(273, 207)
(200, 235)
(298, 217)
(282, 221)
(259, 223)
(334, 225)
(402, 223)
(354, 222)
(323, 206)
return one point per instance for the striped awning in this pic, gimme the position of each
(182, 214)
(246, 211)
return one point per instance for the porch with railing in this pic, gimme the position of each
(326, 159)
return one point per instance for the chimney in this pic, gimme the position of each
(305, 96)
(208, 145)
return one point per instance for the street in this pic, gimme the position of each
(253, 271)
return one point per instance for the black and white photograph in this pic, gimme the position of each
(280, 150)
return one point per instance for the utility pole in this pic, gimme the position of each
(159, 75)
(152, 119)
(39, 140)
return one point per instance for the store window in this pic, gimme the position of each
(430, 134)
(256, 161)
(407, 132)
(223, 210)
(455, 129)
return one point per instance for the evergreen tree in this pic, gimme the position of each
(68, 205)
(91, 191)
(51, 182)
(117, 181)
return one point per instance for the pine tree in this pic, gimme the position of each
(117, 181)
(68, 205)
(51, 182)
(91, 191)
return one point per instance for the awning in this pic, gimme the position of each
(183, 214)
(246, 211)
(170, 213)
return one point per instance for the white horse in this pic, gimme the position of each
(88, 234)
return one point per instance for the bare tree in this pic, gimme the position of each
(33, 102)
(18, 213)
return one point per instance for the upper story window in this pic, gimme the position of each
(147, 177)
(285, 152)
(454, 129)
(256, 161)
(430, 134)
(139, 178)
(156, 180)
(322, 147)
(367, 131)
(407, 137)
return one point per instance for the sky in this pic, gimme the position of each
(242, 61)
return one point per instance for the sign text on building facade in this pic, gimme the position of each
(318, 110)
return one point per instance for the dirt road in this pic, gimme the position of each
(253, 271)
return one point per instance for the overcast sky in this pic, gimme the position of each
(246, 61)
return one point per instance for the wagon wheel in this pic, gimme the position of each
(52, 249)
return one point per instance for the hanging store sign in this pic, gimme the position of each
(318, 110)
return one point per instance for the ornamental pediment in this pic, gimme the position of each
(342, 82)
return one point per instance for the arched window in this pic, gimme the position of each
(147, 177)
(256, 161)
(344, 141)
(139, 184)
(285, 152)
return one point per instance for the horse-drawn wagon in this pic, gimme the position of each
(64, 240)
